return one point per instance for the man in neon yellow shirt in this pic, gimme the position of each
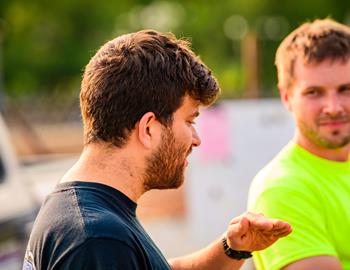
(308, 183)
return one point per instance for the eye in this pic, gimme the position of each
(344, 88)
(312, 92)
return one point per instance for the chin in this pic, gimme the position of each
(334, 144)
(176, 183)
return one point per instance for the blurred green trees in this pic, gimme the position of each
(44, 45)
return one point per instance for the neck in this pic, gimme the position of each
(339, 154)
(110, 166)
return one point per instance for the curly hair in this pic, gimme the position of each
(136, 73)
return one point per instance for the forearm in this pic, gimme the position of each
(247, 232)
(209, 258)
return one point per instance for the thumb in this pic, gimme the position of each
(237, 231)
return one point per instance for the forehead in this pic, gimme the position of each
(327, 73)
(189, 106)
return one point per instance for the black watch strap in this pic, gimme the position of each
(235, 254)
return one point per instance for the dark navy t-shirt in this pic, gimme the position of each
(90, 226)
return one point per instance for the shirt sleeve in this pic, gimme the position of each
(103, 254)
(304, 212)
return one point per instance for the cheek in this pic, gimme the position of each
(186, 135)
(306, 115)
(304, 108)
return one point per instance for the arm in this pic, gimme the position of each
(315, 263)
(211, 257)
(248, 232)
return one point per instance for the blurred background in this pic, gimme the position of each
(44, 46)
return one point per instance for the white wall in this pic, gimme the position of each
(238, 139)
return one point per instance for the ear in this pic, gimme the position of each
(285, 95)
(148, 128)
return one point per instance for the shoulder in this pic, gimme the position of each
(286, 173)
(104, 213)
(287, 189)
(108, 224)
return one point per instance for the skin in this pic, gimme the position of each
(320, 103)
(156, 157)
(165, 167)
(247, 232)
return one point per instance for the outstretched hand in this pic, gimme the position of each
(252, 232)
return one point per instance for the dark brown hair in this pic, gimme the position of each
(312, 42)
(142, 72)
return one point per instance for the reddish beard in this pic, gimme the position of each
(165, 168)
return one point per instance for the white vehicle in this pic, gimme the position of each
(22, 189)
(18, 206)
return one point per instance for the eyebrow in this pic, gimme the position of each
(344, 85)
(311, 87)
(321, 87)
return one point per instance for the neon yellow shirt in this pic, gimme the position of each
(313, 195)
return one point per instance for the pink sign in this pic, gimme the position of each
(215, 136)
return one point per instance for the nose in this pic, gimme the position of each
(333, 104)
(196, 141)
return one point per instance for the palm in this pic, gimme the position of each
(252, 232)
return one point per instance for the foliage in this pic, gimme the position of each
(46, 44)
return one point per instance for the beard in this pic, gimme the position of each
(333, 140)
(166, 167)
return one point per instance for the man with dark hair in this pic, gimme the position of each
(139, 97)
(308, 182)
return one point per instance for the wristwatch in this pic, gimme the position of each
(235, 254)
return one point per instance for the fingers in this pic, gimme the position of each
(252, 231)
(237, 231)
(260, 222)
(280, 228)
(280, 224)
(240, 227)
(250, 222)
(277, 232)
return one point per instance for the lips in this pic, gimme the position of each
(336, 121)
(333, 123)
